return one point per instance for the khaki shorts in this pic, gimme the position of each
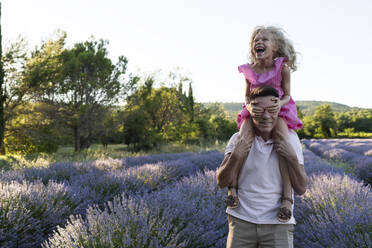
(246, 234)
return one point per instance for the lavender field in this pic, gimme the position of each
(172, 200)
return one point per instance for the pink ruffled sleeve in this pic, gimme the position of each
(279, 63)
(242, 68)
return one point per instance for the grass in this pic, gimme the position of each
(96, 152)
(343, 165)
(351, 135)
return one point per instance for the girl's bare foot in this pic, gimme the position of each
(285, 211)
(232, 200)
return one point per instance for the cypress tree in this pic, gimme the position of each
(191, 102)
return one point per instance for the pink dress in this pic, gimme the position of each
(272, 78)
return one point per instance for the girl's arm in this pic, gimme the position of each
(286, 86)
(238, 156)
(250, 107)
(247, 91)
(296, 171)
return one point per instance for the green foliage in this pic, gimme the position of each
(149, 115)
(214, 123)
(224, 128)
(79, 82)
(31, 132)
(325, 122)
(153, 116)
(321, 125)
(349, 133)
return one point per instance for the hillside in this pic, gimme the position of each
(307, 107)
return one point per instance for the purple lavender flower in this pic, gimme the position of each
(335, 211)
(188, 213)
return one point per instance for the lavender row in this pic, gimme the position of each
(316, 165)
(362, 165)
(334, 211)
(150, 159)
(29, 212)
(83, 185)
(175, 216)
(361, 146)
(190, 213)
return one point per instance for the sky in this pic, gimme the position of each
(209, 39)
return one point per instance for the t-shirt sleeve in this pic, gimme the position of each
(296, 144)
(230, 144)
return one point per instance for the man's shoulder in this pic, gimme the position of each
(230, 144)
(293, 136)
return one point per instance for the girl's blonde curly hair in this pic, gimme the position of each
(284, 45)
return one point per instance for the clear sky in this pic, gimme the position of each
(208, 39)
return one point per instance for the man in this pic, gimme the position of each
(254, 222)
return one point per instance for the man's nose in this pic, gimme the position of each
(266, 114)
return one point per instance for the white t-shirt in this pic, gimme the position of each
(260, 182)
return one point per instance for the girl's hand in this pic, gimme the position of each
(254, 109)
(283, 147)
(276, 106)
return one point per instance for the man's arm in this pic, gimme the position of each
(296, 170)
(231, 161)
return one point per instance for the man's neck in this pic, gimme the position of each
(264, 136)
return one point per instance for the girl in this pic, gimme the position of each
(272, 57)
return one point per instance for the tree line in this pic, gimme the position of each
(58, 95)
(326, 123)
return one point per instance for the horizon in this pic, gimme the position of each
(209, 39)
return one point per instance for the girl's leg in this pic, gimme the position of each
(285, 210)
(246, 133)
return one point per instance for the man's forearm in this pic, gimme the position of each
(297, 175)
(233, 162)
(226, 171)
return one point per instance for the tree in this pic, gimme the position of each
(190, 102)
(153, 112)
(79, 82)
(29, 131)
(325, 122)
(343, 120)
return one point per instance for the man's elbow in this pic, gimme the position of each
(301, 189)
(220, 182)
(223, 174)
